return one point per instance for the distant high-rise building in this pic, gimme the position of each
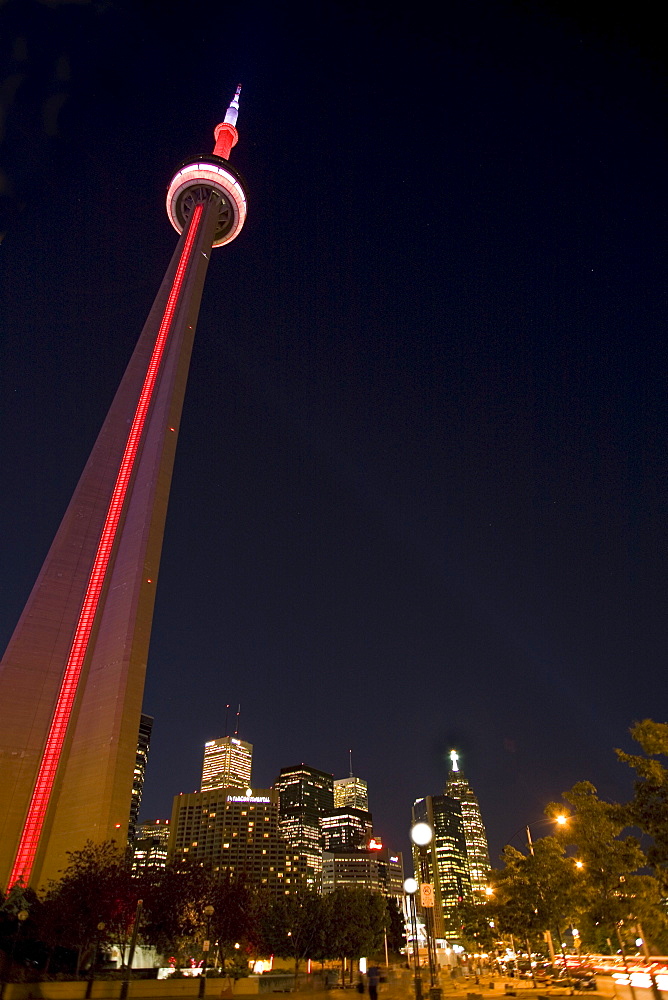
(306, 795)
(139, 776)
(351, 792)
(378, 870)
(150, 846)
(446, 860)
(234, 834)
(346, 829)
(457, 787)
(227, 764)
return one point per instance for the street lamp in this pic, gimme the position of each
(91, 972)
(410, 888)
(560, 820)
(422, 835)
(208, 912)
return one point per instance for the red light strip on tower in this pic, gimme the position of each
(32, 828)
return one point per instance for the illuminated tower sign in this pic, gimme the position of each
(72, 678)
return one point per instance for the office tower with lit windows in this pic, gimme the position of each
(351, 791)
(445, 858)
(235, 834)
(374, 868)
(227, 764)
(150, 846)
(477, 851)
(306, 795)
(346, 829)
(141, 761)
(72, 677)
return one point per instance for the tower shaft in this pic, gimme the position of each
(72, 678)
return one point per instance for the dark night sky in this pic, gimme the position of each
(420, 492)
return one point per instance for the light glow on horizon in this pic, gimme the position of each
(32, 828)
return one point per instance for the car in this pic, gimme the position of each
(582, 977)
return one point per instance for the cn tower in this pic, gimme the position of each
(72, 677)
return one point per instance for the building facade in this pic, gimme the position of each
(227, 764)
(150, 846)
(72, 677)
(236, 835)
(444, 862)
(346, 829)
(477, 850)
(139, 776)
(377, 870)
(351, 792)
(306, 794)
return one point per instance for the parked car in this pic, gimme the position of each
(582, 977)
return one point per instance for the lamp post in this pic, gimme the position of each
(422, 836)
(560, 820)
(91, 972)
(208, 913)
(410, 888)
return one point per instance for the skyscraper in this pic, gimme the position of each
(351, 791)
(346, 829)
(72, 678)
(446, 860)
(150, 846)
(227, 764)
(236, 835)
(139, 776)
(477, 851)
(306, 794)
(378, 870)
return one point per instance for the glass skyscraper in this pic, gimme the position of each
(445, 859)
(457, 787)
(306, 794)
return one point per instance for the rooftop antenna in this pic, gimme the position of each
(226, 134)
(227, 708)
(236, 731)
(233, 110)
(350, 762)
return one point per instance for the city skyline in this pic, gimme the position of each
(426, 412)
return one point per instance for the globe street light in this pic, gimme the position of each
(410, 888)
(422, 835)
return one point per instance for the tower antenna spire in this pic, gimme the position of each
(350, 762)
(236, 731)
(226, 133)
(233, 110)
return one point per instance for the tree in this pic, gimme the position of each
(95, 889)
(174, 901)
(648, 809)
(354, 923)
(614, 893)
(237, 917)
(536, 892)
(477, 923)
(294, 927)
(394, 926)
(19, 918)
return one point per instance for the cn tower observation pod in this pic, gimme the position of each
(200, 180)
